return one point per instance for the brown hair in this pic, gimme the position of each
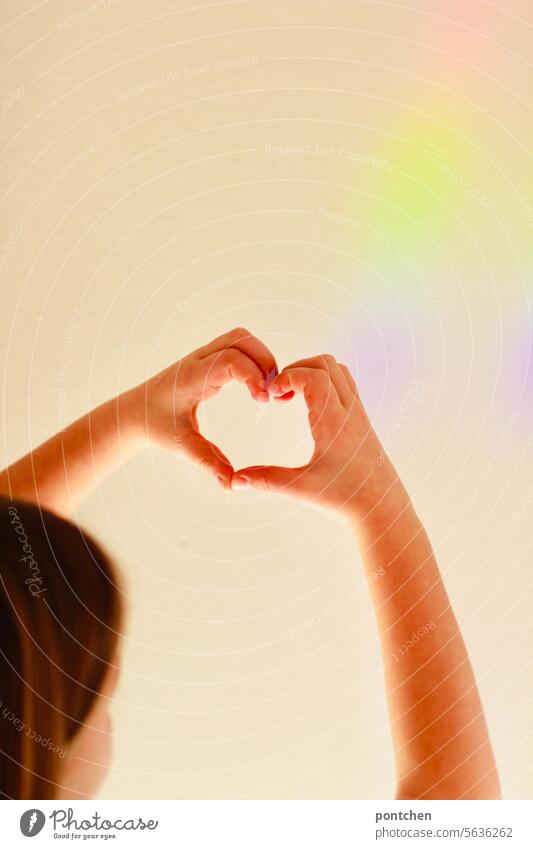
(60, 616)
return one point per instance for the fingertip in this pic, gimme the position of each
(224, 474)
(285, 397)
(224, 481)
(277, 388)
(257, 391)
(270, 378)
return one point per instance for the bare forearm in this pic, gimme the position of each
(61, 472)
(160, 412)
(440, 737)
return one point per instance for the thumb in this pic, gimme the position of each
(270, 478)
(207, 455)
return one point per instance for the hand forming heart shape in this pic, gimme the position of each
(249, 433)
(348, 469)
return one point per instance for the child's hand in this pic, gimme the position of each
(164, 408)
(349, 470)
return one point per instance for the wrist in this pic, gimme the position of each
(131, 412)
(381, 500)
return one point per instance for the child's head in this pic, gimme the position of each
(60, 619)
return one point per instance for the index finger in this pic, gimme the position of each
(244, 341)
(315, 384)
(339, 374)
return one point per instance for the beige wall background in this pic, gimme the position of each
(335, 176)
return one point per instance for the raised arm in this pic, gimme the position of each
(60, 473)
(441, 743)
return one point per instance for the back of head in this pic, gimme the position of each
(60, 617)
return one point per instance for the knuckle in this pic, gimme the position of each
(227, 356)
(348, 373)
(328, 359)
(240, 332)
(321, 380)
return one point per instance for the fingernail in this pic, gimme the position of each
(239, 482)
(285, 397)
(270, 378)
(263, 397)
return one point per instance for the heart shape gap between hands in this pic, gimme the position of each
(249, 433)
(335, 460)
